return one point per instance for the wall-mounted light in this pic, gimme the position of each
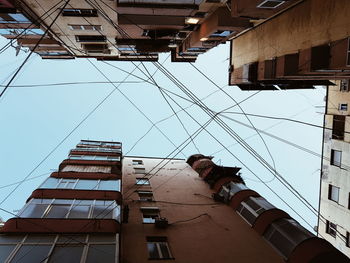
(204, 39)
(191, 20)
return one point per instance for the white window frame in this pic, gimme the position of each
(158, 245)
(333, 193)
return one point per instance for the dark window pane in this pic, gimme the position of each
(58, 211)
(101, 253)
(152, 250)
(10, 238)
(103, 212)
(40, 239)
(80, 211)
(31, 253)
(5, 251)
(67, 239)
(34, 210)
(66, 254)
(102, 238)
(165, 250)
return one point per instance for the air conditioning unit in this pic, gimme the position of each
(161, 222)
(270, 4)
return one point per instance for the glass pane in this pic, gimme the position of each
(5, 251)
(58, 211)
(102, 238)
(80, 211)
(105, 212)
(68, 239)
(152, 250)
(50, 183)
(34, 210)
(87, 184)
(101, 253)
(110, 185)
(10, 239)
(31, 253)
(164, 249)
(40, 239)
(41, 201)
(63, 201)
(66, 254)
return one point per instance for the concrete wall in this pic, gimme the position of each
(218, 235)
(310, 23)
(337, 213)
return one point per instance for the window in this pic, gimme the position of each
(344, 83)
(94, 38)
(87, 169)
(285, 234)
(230, 189)
(252, 207)
(343, 106)
(137, 162)
(349, 202)
(58, 248)
(94, 157)
(81, 184)
(336, 158)
(140, 170)
(146, 196)
(338, 127)
(79, 12)
(149, 214)
(96, 48)
(331, 228)
(333, 193)
(69, 208)
(142, 181)
(347, 243)
(86, 27)
(158, 248)
(13, 18)
(270, 4)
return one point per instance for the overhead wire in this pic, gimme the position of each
(32, 51)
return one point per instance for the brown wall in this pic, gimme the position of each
(218, 234)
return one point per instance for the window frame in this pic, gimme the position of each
(145, 196)
(86, 241)
(80, 12)
(159, 242)
(333, 190)
(331, 228)
(141, 179)
(334, 154)
(149, 214)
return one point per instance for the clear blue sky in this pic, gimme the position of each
(35, 119)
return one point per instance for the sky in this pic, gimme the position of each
(40, 124)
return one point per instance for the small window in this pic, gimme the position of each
(347, 239)
(349, 202)
(338, 127)
(344, 83)
(331, 228)
(85, 27)
(343, 106)
(140, 170)
(158, 248)
(333, 193)
(252, 207)
(79, 12)
(145, 196)
(142, 181)
(93, 38)
(336, 158)
(137, 162)
(149, 214)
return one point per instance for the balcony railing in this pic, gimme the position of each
(97, 149)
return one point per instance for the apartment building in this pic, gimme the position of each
(334, 221)
(130, 30)
(303, 45)
(101, 206)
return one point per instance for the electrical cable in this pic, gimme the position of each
(32, 51)
(70, 83)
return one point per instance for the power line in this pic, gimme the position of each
(70, 83)
(32, 51)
